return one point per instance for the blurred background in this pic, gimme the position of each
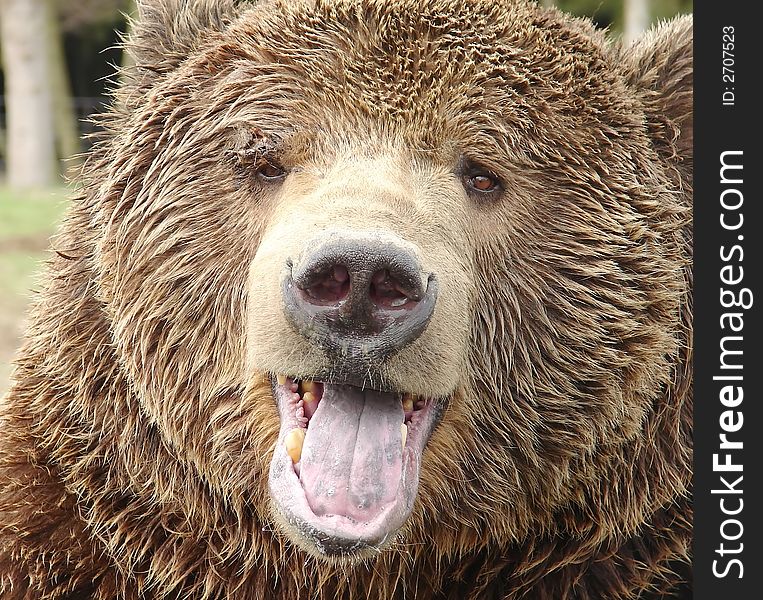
(59, 59)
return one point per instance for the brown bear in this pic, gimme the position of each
(366, 299)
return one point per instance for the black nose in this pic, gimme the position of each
(359, 299)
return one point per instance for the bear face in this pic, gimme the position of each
(400, 278)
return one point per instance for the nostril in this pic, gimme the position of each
(388, 292)
(341, 274)
(329, 287)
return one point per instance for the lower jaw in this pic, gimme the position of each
(335, 536)
(341, 536)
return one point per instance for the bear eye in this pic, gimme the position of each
(269, 171)
(481, 181)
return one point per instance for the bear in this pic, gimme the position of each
(365, 299)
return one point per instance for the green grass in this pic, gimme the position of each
(27, 220)
(30, 213)
(17, 273)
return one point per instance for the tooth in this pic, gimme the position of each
(281, 379)
(404, 433)
(308, 385)
(408, 403)
(310, 404)
(293, 441)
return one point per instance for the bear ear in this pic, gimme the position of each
(165, 32)
(660, 67)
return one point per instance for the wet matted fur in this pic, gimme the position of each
(137, 437)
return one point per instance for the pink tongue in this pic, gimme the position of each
(352, 455)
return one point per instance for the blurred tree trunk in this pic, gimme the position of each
(64, 113)
(30, 140)
(636, 19)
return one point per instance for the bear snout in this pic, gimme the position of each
(359, 297)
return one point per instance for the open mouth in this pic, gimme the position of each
(345, 470)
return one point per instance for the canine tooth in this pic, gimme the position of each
(308, 397)
(293, 441)
(408, 403)
(308, 385)
(404, 433)
(281, 379)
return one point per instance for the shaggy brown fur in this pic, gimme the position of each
(136, 440)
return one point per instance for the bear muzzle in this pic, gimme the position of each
(345, 470)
